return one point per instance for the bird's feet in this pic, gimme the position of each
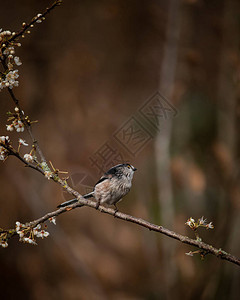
(97, 204)
(116, 210)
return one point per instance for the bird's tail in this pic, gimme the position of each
(69, 202)
(89, 195)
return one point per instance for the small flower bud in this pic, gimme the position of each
(28, 158)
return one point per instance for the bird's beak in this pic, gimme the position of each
(134, 169)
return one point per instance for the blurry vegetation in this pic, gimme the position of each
(88, 68)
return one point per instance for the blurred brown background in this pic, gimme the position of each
(87, 71)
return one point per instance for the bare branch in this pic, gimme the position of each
(28, 126)
(33, 21)
(3, 61)
(13, 152)
(206, 248)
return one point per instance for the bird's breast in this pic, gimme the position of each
(111, 191)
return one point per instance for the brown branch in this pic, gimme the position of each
(28, 126)
(24, 121)
(3, 60)
(206, 248)
(33, 21)
(13, 152)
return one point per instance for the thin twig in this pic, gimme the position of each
(13, 152)
(28, 126)
(3, 61)
(33, 21)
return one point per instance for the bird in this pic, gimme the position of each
(111, 187)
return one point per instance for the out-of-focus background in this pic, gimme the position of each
(154, 83)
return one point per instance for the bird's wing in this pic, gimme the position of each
(101, 180)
